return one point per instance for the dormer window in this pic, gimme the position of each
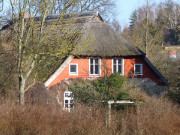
(94, 65)
(118, 65)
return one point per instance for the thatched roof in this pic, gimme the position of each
(104, 41)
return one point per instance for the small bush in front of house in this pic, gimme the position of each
(111, 86)
(85, 92)
(116, 81)
(103, 89)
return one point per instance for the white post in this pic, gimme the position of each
(109, 114)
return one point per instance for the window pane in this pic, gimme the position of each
(66, 101)
(66, 94)
(91, 61)
(96, 69)
(119, 61)
(119, 68)
(72, 68)
(137, 68)
(96, 61)
(91, 69)
(114, 61)
(114, 68)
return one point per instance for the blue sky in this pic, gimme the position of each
(126, 7)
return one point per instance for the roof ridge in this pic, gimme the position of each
(56, 16)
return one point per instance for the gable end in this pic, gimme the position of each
(58, 71)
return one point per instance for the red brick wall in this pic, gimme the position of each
(106, 69)
(147, 71)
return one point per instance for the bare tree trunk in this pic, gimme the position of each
(21, 90)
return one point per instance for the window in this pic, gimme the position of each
(118, 66)
(73, 69)
(138, 69)
(94, 67)
(68, 100)
(172, 54)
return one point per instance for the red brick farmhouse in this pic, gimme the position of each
(103, 53)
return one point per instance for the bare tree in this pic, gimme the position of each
(168, 19)
(32, 36)
(105, 7)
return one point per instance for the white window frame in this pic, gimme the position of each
(172, 56)
(141, 69)
(68, 97)
(99, 67)
(73, 73)
(122, 67)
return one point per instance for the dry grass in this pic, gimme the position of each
(50, 120)
(157, 116)
(154, 116)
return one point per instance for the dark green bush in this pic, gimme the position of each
(85, 93)
(103, 89)
(110, 86)
(116, 81)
